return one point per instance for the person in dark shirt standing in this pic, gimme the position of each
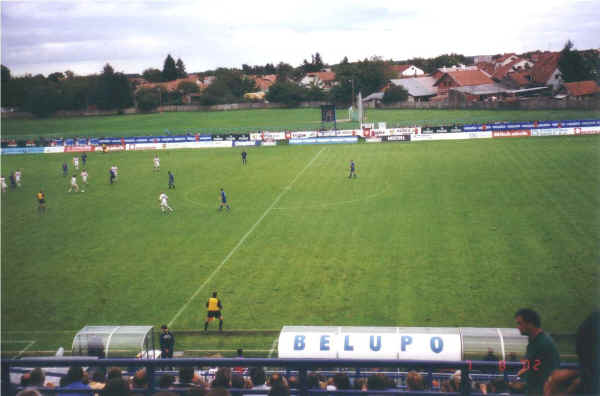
(65, 169)
(83, 158)
(171, 180)
(167, 342)
(542, 356)
(352, 169)
(111, 172)
(244, 155)
(223, 200)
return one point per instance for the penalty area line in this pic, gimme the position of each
(24, 349)
(241, 241)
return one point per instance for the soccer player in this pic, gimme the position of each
(111, 172)
(18, 177)
(84, 176)
(65, 168)
(171, 180)
(244, 155)
(156, 163)
(84, 158)
(41, 197)
(3, 183)
(76, 163)
(115, 171)
(164, 203)
(223, 198)
(74, 185)
(214, 308)
(352, 169)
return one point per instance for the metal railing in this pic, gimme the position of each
(301, 366)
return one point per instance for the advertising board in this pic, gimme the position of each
(511, 133)
(397, 138)
(325, 140)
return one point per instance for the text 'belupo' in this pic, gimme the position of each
(396, 343)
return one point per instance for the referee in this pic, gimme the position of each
(214, 311)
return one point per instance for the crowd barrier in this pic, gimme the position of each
(301, 366)
(267, 138)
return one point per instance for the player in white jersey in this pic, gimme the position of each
(84, 176)
(156, 163)
(18, 177)
(115, 171)
(76, 163)
(164, 203)
(3, 183)
(74, 185)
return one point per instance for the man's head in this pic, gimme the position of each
(257, 374)
(215, 293)
(164, 328)
(528, 321)
(37, 377)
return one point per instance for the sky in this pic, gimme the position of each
(82, 36)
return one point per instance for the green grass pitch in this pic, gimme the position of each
(456, 233)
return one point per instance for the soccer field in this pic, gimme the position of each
(457, 233)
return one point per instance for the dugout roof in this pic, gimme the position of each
(114, 341)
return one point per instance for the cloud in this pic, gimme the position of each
(41, 36)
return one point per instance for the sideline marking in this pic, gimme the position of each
(272, 348)
(241, 241)
(24, 349)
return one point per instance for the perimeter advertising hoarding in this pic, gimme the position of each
(382, 343)
(397, 138)
(511, 133)
(587, 131)
(326, 140)
(266, 135)
(451, 136)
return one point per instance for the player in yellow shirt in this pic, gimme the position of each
(41, 197)
(214, 311)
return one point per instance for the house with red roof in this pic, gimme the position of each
(461, 78)
(323, 79)
(546, 72)
(263, 83)
(580, 89)
(505, 59)
(515, 65)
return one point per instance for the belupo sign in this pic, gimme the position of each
(383, 343)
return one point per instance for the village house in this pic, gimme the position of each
(580, 89)
(323, 79)
(402, 71)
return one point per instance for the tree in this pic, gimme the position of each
(180, 67)
(5, 84)
(56, 77)
(395, 94)
(572, 65)
(284, 71)
(287, 93)
(112, 90)
(147, 99)
(169, 72)
(43, 101)
(187, 87)
(152, 75)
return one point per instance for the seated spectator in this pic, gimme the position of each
(25, 379)
(116, 387)
(415, 381)
(139, 381)
(186, 376)
(279, 389)
(341, 381)
(293, 382)
(37, 377)
(114, 372)
(258, 379)
(166, 381)
(237, 381)
(73, 380)
(97, 379)
(222, 378)
(276, 379)
(316, 381)
(361, 384)
(377, 382)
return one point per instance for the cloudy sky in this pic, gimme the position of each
(81, 36)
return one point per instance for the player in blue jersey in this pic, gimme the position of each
(223, 200)
(352, 169)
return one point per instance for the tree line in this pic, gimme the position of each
(112, 90)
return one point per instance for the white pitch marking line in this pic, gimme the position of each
(24, 349)
(235, 248)
(272, 348)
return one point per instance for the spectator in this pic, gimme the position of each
(222, 378)
(415, 381)
(29, 392)
(542, 355)
(276, 378)
(139, 381)
(586, 379)
(116, 387)
(293, 382)
(186, 376)
(257, 375)
(166, 381)
(376, 382)
(25, 379)
(114, 372)
(73, 380)
(361, 384)
(37, 377)
(237, 381)
(341, 381)
(279, 389)
(97, 379)
(315, 381)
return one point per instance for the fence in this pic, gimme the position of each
(301, 366)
